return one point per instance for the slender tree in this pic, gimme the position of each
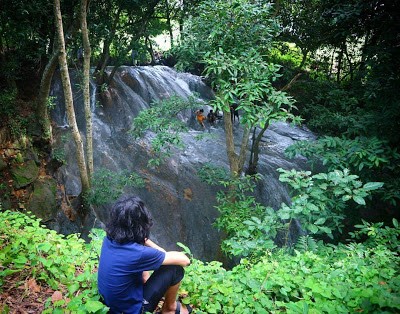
(69, 102)
(86, 87)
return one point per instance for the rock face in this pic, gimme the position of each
(24, 174)
(42, 201)
(181, 204)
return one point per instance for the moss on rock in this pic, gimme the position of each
(24, 174)
(42, 202)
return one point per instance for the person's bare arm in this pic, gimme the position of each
(176, 258)
(150, 243)
(171, 257)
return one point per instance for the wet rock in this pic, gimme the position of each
(42, 202)
(24, 174)
(182, 205)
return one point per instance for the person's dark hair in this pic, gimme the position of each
(129, 221)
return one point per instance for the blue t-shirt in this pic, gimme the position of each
(120, 274)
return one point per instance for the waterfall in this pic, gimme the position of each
(181, 204)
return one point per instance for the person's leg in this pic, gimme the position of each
(170, 304)
(165, 281)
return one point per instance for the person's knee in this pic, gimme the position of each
(178, 273)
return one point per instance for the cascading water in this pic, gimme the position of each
(181, 204)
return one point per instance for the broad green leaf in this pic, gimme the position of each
(93, 306)
(320, 221)
(312, 228)
(359, 200)
(372, 186)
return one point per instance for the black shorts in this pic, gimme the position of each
(158, 283)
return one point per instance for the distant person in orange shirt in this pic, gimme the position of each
(200, 117)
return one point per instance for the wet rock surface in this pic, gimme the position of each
(181, 204)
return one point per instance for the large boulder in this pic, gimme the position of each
(42, 202)
(24, 174)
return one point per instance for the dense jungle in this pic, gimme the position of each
(285, 198)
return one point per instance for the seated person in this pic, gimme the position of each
(211, 117)
(128, 254)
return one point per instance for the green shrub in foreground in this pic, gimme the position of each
(330, 279)
(66, 264)
(334, 279)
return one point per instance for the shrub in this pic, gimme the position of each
(64, 263)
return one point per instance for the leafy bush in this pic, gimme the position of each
(163, 120)
(327, 279)
(370, 158)
(330, 279)
(107, 185)
(64, 263)
(340, 153)
(319, 205)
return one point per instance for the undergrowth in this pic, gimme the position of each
(313, 278)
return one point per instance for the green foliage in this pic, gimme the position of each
(108, 185)
(307, 243)
(329, 279)
(319, 202)
(247, 79)
(163, 120)
(7, 103)
(64, 263)
(329, 108)
(249, 226)
(10, 116)
(316, 278)
(355, 154)
(319, 205)
(378, 234)
(51, 102)
(370, 158)
(233, 26)
(212, 175)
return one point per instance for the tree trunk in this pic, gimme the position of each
(105, 56)
(331, 65)
(236, 162)
(45, 85)
(351, 71)
(340, 61)
(86, 88)
(69, 102)
(256, 140)
(168, 18)
(255, 150)
(150, 50)
(304, 59)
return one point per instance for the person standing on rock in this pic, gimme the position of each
(127, 256)
(200, 117)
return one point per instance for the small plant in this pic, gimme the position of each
(378, 234)
(162, 120)
(212, 175)
(51, 102)
(7, 103)
(108, 186)
(58, 154)
(319, 205)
